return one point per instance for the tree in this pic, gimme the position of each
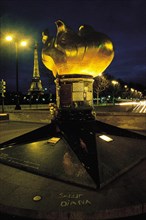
(100, 84)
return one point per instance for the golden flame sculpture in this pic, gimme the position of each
(75, 59)
(87, 52)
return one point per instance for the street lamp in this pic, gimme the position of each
(23, 44)
(114, 83)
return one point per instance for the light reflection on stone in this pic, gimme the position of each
(70, 168)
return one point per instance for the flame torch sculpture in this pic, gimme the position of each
(75, 59)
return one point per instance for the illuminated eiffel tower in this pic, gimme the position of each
(36, 87)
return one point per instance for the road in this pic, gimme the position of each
(11, 129)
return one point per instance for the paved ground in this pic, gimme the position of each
(125, 196)
(9, 129)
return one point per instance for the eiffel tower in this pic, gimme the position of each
(36, 87)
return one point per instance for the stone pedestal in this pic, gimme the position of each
(74, 96)
(74, 91)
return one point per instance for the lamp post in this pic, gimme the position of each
(22, 43)
(125, 91)
(132, 93)
(17, 107)
(114, 83)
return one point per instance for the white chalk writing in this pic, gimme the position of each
(73, 199)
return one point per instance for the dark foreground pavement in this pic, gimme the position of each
(27, 195)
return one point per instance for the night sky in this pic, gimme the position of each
(124, 21)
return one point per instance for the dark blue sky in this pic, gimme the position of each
(124, 21)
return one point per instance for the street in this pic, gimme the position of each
(11, 129)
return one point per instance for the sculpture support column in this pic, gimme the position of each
(74, 92)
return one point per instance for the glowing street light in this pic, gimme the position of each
(9, 38)
(22, 43)
(114, 82)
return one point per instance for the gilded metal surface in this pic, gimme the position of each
(87, 52)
